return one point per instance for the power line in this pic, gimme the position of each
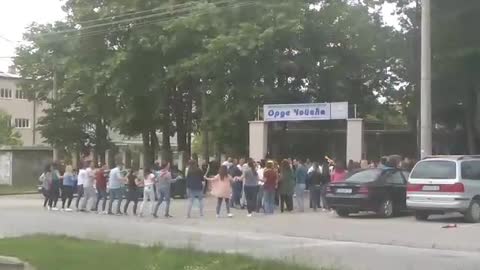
(125, 20)
(6, 39)
(133, 12)
(94, 32)
(160, 21)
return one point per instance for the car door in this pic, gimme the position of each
(470, 177)
(397, 187)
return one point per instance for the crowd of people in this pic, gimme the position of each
(258, 187)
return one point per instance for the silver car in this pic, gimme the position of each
(443, 184)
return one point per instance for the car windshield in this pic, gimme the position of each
(365, 176)
(434, 169)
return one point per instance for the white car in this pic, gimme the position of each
(443, 184)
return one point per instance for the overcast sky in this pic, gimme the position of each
(15, 15)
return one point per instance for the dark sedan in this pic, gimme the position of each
(382, 191)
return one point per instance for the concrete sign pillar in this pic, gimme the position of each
(354, 139)
(258, 139)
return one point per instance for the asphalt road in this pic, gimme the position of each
(317, 239)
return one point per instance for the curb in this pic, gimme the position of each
(19, 193)
(11, 263)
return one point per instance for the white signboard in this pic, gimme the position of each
(338, 110)
(305, 112)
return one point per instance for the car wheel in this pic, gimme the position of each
(386, 209)
(473, 213)
(421, 215)
(343, 212)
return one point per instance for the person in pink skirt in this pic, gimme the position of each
(222, 189)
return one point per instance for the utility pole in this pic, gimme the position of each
(206, 139)
(54, 96)
(426, 84)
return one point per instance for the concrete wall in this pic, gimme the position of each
(355, 141)
(258, 139)
(26, 164)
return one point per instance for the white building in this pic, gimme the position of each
(24, 113)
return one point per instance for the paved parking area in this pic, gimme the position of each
(322, 238)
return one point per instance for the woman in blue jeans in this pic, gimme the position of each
(250, 186)
(195, 180)
(270, 177)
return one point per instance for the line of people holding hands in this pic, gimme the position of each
(254, 185)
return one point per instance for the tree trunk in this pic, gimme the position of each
(180, 123)
(206, 146)
(101, 141)
(154, 143)
(166, 147)
(148, 151)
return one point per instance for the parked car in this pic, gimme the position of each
(443, 184)
(379, 190)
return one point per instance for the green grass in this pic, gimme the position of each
(60, 253)
(4, 189)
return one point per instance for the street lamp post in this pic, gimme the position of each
(426, 84)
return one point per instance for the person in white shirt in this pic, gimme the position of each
(116, 184)
(89, 187)
(261, 181)
(228, 163)
(148, 192)
(82, 177)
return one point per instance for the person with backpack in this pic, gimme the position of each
(54, 188)
(164, 182)
(46, 181)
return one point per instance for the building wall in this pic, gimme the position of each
(22, 109)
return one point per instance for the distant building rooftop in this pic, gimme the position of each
(8, 75)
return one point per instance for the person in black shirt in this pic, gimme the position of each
(315, 178)
(132, 193)
(325, 180)
(237, 186)
(195, 179)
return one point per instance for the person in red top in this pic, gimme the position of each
(270, 178)
(101, 186)
(339, 173)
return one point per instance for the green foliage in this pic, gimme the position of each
(198, 66)
(8, 136)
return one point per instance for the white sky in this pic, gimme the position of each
(16, 15)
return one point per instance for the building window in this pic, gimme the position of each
(19, 94)
(22, 123)
(5, 93)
